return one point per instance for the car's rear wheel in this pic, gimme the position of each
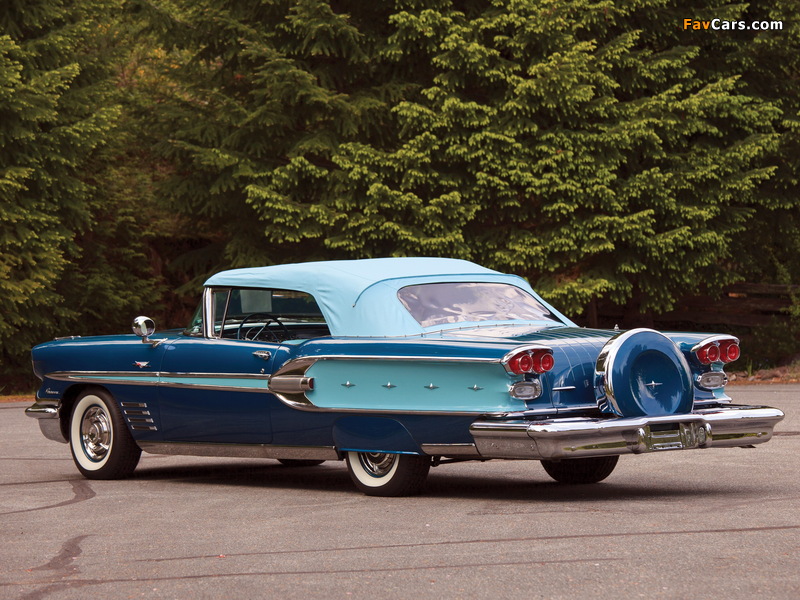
(382, 474)
(297, 462)
(102, 447)
(581, 470)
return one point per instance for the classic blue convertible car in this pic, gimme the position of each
(394, 365)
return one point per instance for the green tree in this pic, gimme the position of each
(256, 100)
(69, 254)
(770, 65)
(600, 162)
(598, 148)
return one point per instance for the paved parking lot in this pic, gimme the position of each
(702, 524)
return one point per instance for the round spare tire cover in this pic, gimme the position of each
(645, 374)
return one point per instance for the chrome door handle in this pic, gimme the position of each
(265, 354)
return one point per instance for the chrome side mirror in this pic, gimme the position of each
(144, 327)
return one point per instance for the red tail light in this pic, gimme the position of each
(543, 362)
(708, 354)
(719, 349)
(729, 351)
(521, 363)
(531, 361)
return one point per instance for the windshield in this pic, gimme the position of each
(195, 327)
(441, 303)
(231, 306)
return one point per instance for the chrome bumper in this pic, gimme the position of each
(47, 413)
(553, 439)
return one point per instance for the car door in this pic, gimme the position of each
(215, 390)
(213, 381)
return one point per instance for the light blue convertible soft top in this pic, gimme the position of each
(359, 297)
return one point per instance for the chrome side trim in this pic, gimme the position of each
(213, 375)
(125, 377)
(241, 450)
(714, 339)
(451, 450)
(406, 357)
(289, 394)
(306, 406)
(294, 400)
(156, 378)
(164, 380)
(554, 439)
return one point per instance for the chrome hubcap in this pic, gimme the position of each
(377, 464)
(95, 433)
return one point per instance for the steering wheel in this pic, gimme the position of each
(267, 318)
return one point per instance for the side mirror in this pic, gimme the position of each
(144, 327)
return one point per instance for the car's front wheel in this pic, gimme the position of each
(382, 474)
(101, 444)
(581, 470)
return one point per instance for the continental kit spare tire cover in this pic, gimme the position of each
(644, 374)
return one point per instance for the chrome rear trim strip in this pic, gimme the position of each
(241, 450)
(450, 450)
(423, 358)
(300, 402)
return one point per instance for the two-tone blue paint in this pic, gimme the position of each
(201, 390)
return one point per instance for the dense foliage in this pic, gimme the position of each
(601, 149)
(70, 261)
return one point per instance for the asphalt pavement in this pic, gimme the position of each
(721, 523)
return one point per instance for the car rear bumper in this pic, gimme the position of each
(554, 439)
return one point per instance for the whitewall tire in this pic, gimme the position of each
(383, 474)
(102, 447)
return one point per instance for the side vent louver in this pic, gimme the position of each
(138, 416)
